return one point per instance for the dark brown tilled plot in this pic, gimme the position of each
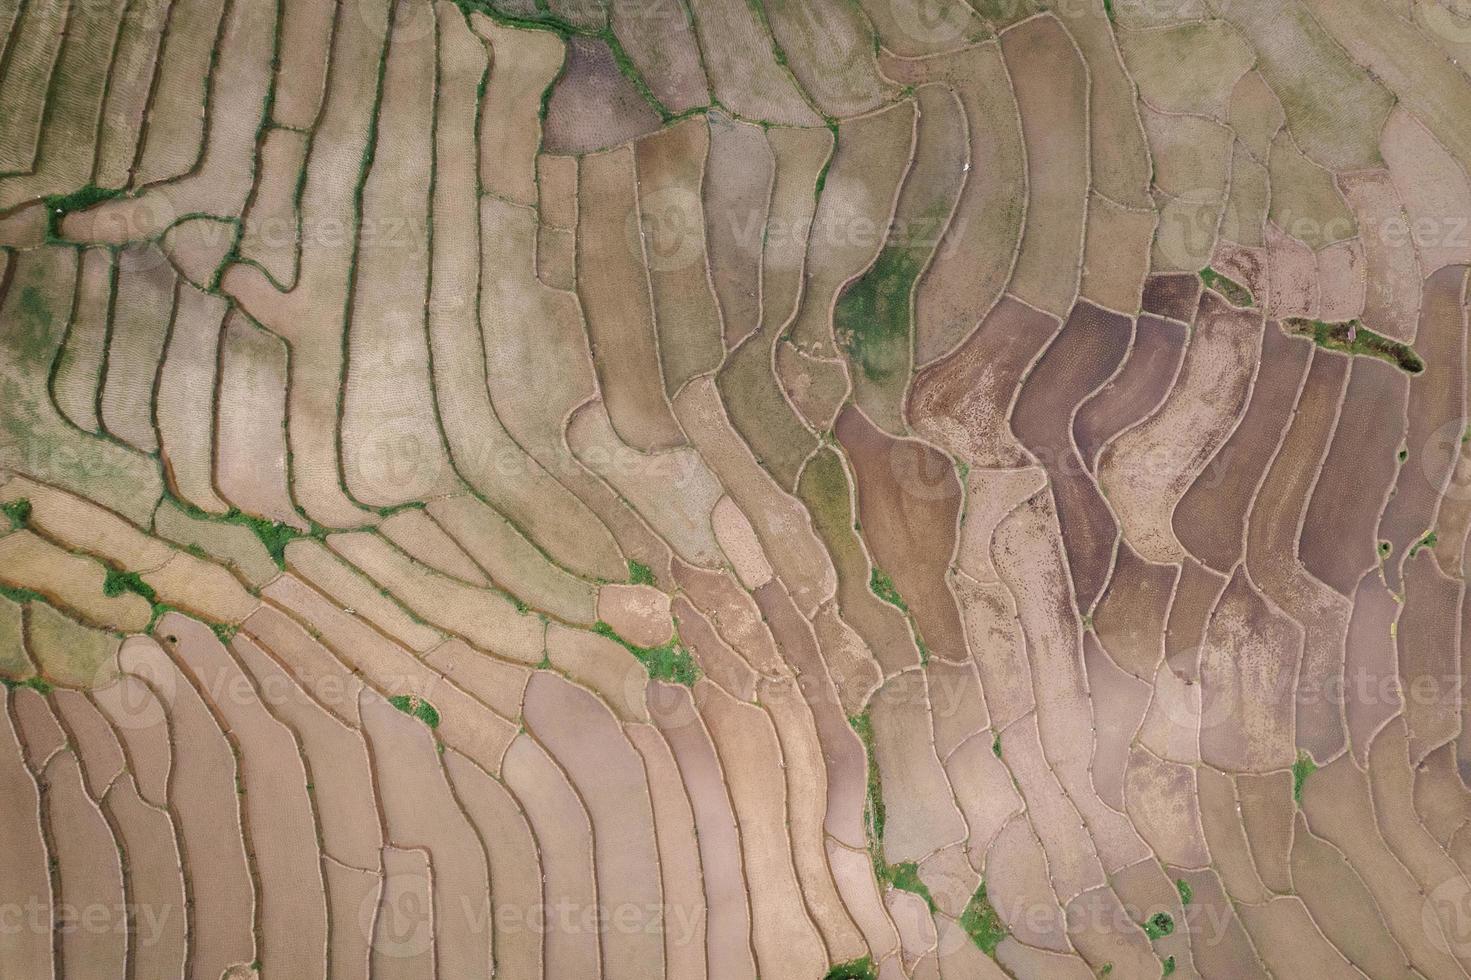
(1084, 354)
(963, 401)
(1210, 518)
(1172, 295)
(1337, 542)
(593, 104)
(1136, 391)
(1131, 616)
(1437, 406)
(908, 503)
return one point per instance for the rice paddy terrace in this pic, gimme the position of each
(708, 489)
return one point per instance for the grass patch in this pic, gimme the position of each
(1168, 967)
(859, 969)
(1301, 770)
(1428, 541)
(1234, 293)
(224, 632)
(996, 746)
(58, 206)
(871, 319)
(1108, 10)
(118, 583)
(639, 573)
(1159, 925)
(19, 512)
(1364, 342)
(37, 683)
(412, 704)
(905, 877)
(20, 596)
(1187, 894)
(981, 923)
(883, 587)
(668, 662)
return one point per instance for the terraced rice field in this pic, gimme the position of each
(718, 489)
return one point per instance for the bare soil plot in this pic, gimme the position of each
(1119, 703)
(1428, 627)
(921, 814)
(204, 799)
(958, 707)
(1437, 400)
(515, 867)
(72, 582)
(401, 947)
(873, 320)
(174, 136)
(841, 751)
(660, 41)
(1433, 186)
(1135, 392)
(1018, 888)
(989, 496)
(911, 29)
(29, 952)
(781, 524)
(277, 810)
(312, 562)
(424, 540)
(1164, 808)
(759, 408)
(1073, 865)
(1391, 265)
(670, 168)
(603, 666)
(137, 716)
(513, 562)
(816, 386)
(1305, 201)
(420, 811)
(142, 317)
(90, 874)
(996, 636)
(829, 48)
(556, 257)
(252, 412)
(155, 881)
(786, 941)
(334, 754)
(1097, 926)
(1267, 810)
(66, 651)
(1133, 612)
(728, 919)
(1342, 283)
(1208, 397)
(1172, 295)
(743, 68)
(563, 834)
(1288, 941)
(1115, 254)
(305, 40)
(1232, 848)
(525, 64)
(1050, 79)
(1190, 68)
(270, 233)
(594, 105)
(733, 613)
(740, 173)
(1210, 519)
(984, 792)
(644, 481)
(1337, 802)
(1334, 108)
(883, 627)
(78, 369)
(1084, 354)
(974, 259)
(1337, 541)
(738, 540)
(802, 157)
(495, 683)
(964, 402)
(908, 501)
(186, 397)
(34, 45)
(392, 450)
(487, 620)
(129, 84)
(615, 295)
(66, 142)
(714, 656)
(93, 740)
(872, 155)
(1341, 906)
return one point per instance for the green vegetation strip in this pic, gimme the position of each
(1235, 293)
(1168, 967)
(412, 704)
(19, 512)
(860, 969)
(903, 876)
(1187, 894)
(871, 318)
(58, 206)
(1429, 541)
(38, 684)
(667, 662)
(1301, 770)
(981, 923)
(1352, 337)
(883, 587)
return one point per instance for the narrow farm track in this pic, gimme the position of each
(706, 489)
